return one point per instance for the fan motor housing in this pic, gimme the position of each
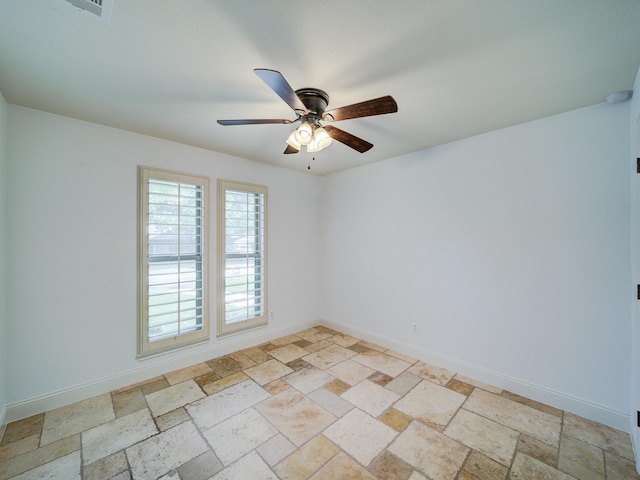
(314, 99)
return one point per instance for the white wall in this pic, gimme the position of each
(3, 302)
(634, 121)
(71, 235)
(510, 251)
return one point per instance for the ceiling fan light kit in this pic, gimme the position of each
(310, 105)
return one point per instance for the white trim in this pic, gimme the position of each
(569, 403)
(3, 421)
(43, 403)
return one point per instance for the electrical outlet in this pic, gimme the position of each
(271, 315)
(414, 327)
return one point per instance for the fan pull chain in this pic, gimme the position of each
(309, 166)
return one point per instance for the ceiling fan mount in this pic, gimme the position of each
(310, 106)
(315, 100)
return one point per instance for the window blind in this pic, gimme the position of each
(244, 255)
(173, 283)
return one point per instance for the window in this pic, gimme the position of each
(173, 260)
(242, 256)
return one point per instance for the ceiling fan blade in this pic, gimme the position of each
(255, 121)
(290, 149)
(278, 84)
(348, 139)
(377, 106)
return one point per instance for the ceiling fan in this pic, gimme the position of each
(310, 105)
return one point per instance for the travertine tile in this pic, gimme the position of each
(581, 459)
(344, 340)
(297, 417)
(166, 451)
(107, 467)
(248, 467)
(403, 383)
(65, 421)
(383, 363)
(599, 435)
(457, 386)
(314, 347)
(401, 356)
(538, 450)
(341, 466)
(238, 435)
(227, 365)
(288, 353)
(535, 423)
(19, 447)
(619, 468)
(370, 397)
(201, 467)
(277, 386)
(226, 382)
(188, 373)
(279, 342)
(24, 428)
(218, 407)
(431, 404)
(526, 468)
(329, 356)
(395, 419)
(483, 468)
(313, 335)
(471, 430)
(484, 386)
(40, 456)
(103, 440)
(426, 371)
(67, 467)
(360, 435)
(308, 379)
(424, 423)
(372, 346)
(532, 403)
(430, 452)
(337, 386)
(298, 364)
(175, 396)
(330, 402)
(153, 385)
(350, 371)
(257, 355)
(325, 329)
(128, 401)
(387, 466)
(171, 419)
(380, 378)
(307, 459)
(275, 449)
(268, 371)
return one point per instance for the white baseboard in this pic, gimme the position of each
(33, 406)
(563, 401)
(3, 421)
(43, 403)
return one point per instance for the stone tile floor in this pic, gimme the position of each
(315, 405)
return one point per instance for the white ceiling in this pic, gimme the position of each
(456, 68)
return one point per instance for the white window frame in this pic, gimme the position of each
(147, 345)
(227, 326)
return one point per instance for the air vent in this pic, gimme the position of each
(100, 8)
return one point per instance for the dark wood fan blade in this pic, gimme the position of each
(278, 84)
(290, 149)
(255, 121)
(348, 139)
(377, 106)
